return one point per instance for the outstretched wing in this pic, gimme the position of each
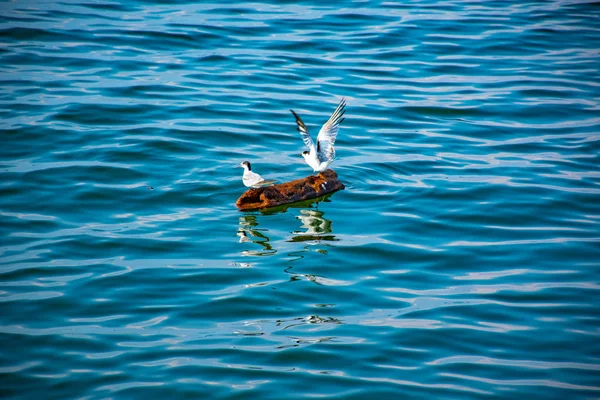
(328, 133)
(303, 131)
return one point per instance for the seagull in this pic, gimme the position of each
(252, 179)
(320, 156)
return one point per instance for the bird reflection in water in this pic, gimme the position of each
(249, 232)
(315, 227)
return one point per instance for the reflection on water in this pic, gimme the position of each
(319, 280)
(314, 227)
(248, 231)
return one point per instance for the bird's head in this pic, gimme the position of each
(246, 165)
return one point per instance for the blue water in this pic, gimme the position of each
(461, 261)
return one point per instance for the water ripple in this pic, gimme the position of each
(461, 260)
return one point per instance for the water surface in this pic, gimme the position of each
(461, 261)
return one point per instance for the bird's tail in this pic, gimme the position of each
(266, 182)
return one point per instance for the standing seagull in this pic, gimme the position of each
(320, 156)
(252, 179)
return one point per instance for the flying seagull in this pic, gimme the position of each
(319, 156)
(252, 179)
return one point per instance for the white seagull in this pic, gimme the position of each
(320, 156)
(252, 179)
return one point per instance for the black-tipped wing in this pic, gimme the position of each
(329, 131)
(303, 131)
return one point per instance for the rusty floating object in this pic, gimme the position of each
(289, 192)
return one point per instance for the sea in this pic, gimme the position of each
(461, 261)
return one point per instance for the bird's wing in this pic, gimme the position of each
(303, 131)
(251, 178)
(328, 133)
(265, 182)
(256, 177)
